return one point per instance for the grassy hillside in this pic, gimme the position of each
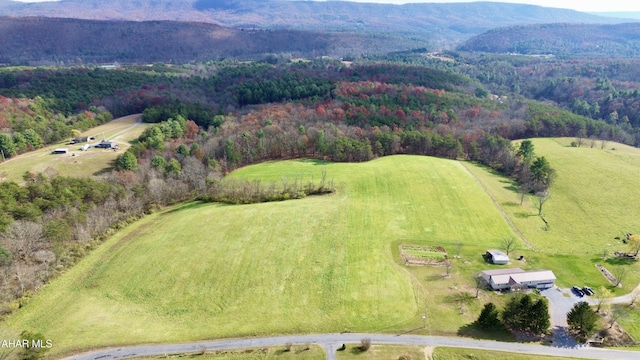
(331, 263)
(321, 264)
(592, 202)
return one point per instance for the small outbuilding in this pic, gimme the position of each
(516, 278)
(496, 257)
(106, 145)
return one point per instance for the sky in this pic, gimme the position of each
(580, 5)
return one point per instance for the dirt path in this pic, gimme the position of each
(504, 215)
(428, 352)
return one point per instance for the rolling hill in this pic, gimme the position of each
(58, 41)
(323, 263)
(438, 21)
(578, 40)
(331, 263)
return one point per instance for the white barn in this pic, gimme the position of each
(516, 278)
(497, 257)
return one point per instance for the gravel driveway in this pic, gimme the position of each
(560, 303)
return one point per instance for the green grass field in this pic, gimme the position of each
(76, 162)
(320, 264)
(332, 263)
(593, 200)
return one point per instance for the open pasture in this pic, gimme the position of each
(593, 201)
(76, 162)
(319, 264)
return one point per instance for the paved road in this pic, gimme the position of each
(330, 342)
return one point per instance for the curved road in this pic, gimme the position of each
(330, 342)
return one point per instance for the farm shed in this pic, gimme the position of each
(106, 145)
(497, 257)
(516, 278)
(82, 139)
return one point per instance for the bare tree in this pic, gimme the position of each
(479, 282)
(620, 273)
(539, 199)
(22, 238)
(509, 244)
(365, 344)
(616, 313)
(602, 297)
(447, 265)
(580, 135)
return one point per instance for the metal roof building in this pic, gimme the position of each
(517, 278)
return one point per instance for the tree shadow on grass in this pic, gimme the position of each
(523, 215)
(314, 161)
(620, 261)
(474, 331)
(355, 350)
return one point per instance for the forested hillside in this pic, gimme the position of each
(566, 40)
(441, 23)
(57, 41)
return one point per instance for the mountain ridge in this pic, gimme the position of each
(448, 22)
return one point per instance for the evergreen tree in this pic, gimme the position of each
(526, 151)
(488, 318)
(126, 161)
(582, 319)
(539, 320)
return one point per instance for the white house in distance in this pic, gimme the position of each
(516, 278)
(496, 257)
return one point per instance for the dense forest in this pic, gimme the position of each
(569, 40)
(213, 117)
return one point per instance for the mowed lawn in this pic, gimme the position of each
(76, 162)
(320, 264)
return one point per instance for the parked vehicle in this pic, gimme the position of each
(576, 290)
(587, 290)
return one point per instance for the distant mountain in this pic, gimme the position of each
(560, 39)
(620, 14)
(40, 40)
(439, 21)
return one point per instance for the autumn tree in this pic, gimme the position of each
(634, 244)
